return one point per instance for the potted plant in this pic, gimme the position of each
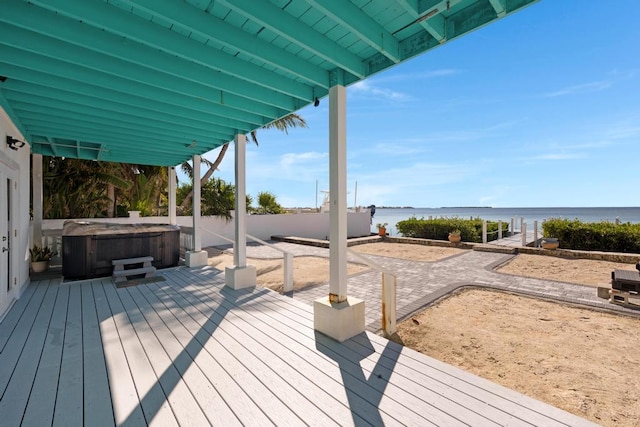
(40, 258)
(382, 229)
(550, 243)
(454, 236)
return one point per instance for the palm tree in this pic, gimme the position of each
(283, 124)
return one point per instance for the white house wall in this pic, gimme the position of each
(17, 163)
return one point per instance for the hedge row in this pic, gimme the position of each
(439, 228)
(593, 236)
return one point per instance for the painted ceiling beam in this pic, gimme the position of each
(85, 129)
(113, 143)
(428, 14)
(350, 16)
(132, 60)
(500, 7)
(32, 112)
(208, 26)
(53, 50)
(100, 16)
(50, 66)
(21, 79)
(70, 149)
(291, 29)
(82, 103)
(12, 114)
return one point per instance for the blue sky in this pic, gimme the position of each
(541, 108)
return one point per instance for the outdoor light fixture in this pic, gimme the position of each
(316, 102)
(14, 144)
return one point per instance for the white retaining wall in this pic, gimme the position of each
(309, 225)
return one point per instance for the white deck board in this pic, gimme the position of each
(98, 407)
(188, 351)
(183, 406)
(16, 395)
(42, 401)
(69, 404)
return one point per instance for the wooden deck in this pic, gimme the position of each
(187, 351)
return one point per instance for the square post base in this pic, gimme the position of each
(196, 258)
(339, 321)
(240, 277)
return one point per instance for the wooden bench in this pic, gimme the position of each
(120, 273)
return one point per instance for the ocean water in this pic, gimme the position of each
(392, 216)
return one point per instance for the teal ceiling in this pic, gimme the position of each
(157, 81)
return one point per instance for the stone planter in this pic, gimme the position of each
(455, 238)
(39, 266)
(550, 243)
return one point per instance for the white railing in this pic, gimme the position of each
(389, 316)
(287, 257)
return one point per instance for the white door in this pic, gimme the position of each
(7, 223)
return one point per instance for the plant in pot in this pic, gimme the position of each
(382, 229)
(454, 236)
(40, 258)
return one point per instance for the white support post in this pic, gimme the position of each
(337, 315)
(172, 195)
(36, 174)
(484, 231)
(240, 275)
(521, 224)
(535, 233)
(196, 257)
(513, 224)
(389, 304)
(499, 229)
(523, 229)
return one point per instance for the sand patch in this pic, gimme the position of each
(580, 360)
(407, 251)
(578, 271)
(307, 270)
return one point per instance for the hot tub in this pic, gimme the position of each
(89, 247)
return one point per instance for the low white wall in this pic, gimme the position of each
(309, 225)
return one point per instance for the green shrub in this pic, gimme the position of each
(439, 228)
(593, 236)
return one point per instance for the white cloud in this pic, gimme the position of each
(367, 89)
(580, 89)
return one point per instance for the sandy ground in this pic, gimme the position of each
(407, 251)
(307, 271)
(579, 271)
(580, 360)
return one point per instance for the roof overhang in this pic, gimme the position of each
(155, 82)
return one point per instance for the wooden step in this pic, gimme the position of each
(121, 275)
(139, 260)
(627, 299)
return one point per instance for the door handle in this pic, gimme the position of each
(5, 250)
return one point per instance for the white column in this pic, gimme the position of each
(337, 315)
(172, 194)
(337, 194)
(36, 174)
(196, 257)
(240, 275)
(240, 240)
(197, 189)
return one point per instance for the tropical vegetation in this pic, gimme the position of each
(593, 236)
(439, 228)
